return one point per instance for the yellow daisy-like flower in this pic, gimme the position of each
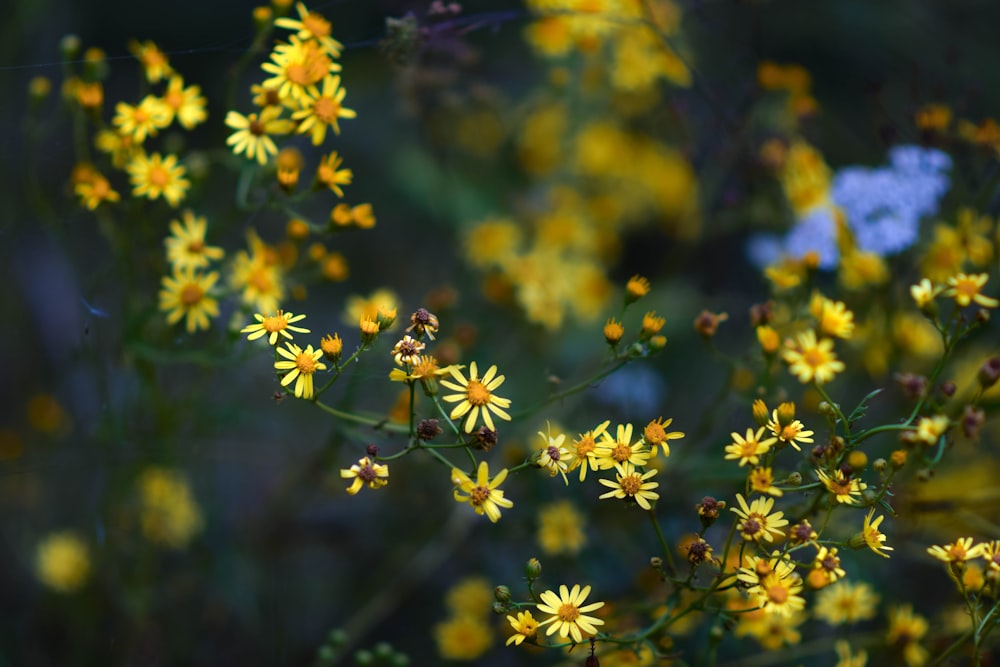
(62, 562)
(924, 293)
(930, 429)
(170, 515)
(274, 325)
(311, 25)
(967, 289)
(655, 434)
(870, 535)
(330, 175)
(791, 433)
(629, 484)
(845, 490)
(568, 613)
(762, 481)
(525, 627)
(252, 135)
(475, 396)
(94, 191)
(154, 61)
(748, 449)
(811, 360)
(407, 351)
(186, 294)
(584, 450)
(846, 602)
(296, 68)
(828, 563)
(483, 495)
(301, 365)
(756, 521)
(186, 244)
(991, 554)
(155, 176)
(323, 110)
(906, 629)
(560, 529)
(636, 288)
(552, 456)
(143, 120)
(366, 473)
(613, 450)
(185, 104)
(773, 584)
(959, 551)
(832, 317)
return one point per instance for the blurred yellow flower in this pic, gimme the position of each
(62, 562)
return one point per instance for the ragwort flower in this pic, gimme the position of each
(187, 294)
(323, 110)
(475, 395)
(301, 365)
(968, 289)
(810, 360)
(366, 472)
(748, 449)
(584, 450)
(273, 325)
(631, 484)
(568, 612)
(483, 495)
(155, 176)
(756, 521)
(845, 490)
(959, 551)
(186, 244)
(525, 627)
(655, 434)
(252, 133)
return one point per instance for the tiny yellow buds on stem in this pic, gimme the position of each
(332, 347)
(636, 288)
(369, 330)
(613, 332)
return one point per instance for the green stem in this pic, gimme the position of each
(667, 553)
(575, 389)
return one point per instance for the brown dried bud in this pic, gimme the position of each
(708, 510)
(484, 439)
(989, 372)
(948, 388)
(371, 450)
(972, 421)
(708, 323)
(761, 313)
(914, 386)
(428, 429)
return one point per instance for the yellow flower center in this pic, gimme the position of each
(621, 452)
(778, 594)
(101, 188)
(655, 433)
(305, 363)
(477, 393)
(956, 552)
(479, 495)
(255, 127)
(840, 488)
(585, 446)
(260, 281)
(297, 74)
(631, 484)
(814, 358)
(568, 612)
(274, 323)
(174, 99)
(191, 294)
(140, 116)
(748, 448)
(158, 176)
(326, 109)
(790, 432)
(196, 247)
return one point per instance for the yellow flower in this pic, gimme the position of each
(560, 529)
(366, 472)
(186, 294)
(959, 551)
(630, 484)
(846, 657)
(613, 450)
(359, 307)
(773, 583)
(185, 104)
(846, 602)
(62, 562)
(585, 448)
(568, 613)
(789, 431)
(407, 351)
(552, 456)
(930, 429)
(296, 68)
(95, 190)
(757, 522)
(154, 176)
(811, 361)
(301, 365)
(525, 627)
(636, 288)
(475, 395)
(186, 244)
(252, 135)
(844, 490)
(966, 289)
(923, 293)
(143, 120)
(768, 338)
(828, 562)
(613, 331)
(483, 495)
(762, 481)
(833, 318)
(870, 535)
(905, 631)
(322, 110)
(655, 434)
(153, 60)
(463, 638)
(329, 174)
(274, 325)
(170, 515)
(311, 25)
(748, 449)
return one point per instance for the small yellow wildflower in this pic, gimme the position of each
(773, 584)
(930, 429)
(613, 331)
(296, 68)
(525, 627)
(613, 450)
(484, 494)
(560, 529)
(153, 60)
(832, 317)
(185, 104)
(323, 110)
(170, 514)
(366, 472)
(273, 325)
(748, 449)
(923, 293)
(568, 613)
(62, 562)
(811, 360)
(756, 521)
(186, 243)
(655, 434)
(630, 484)
(330, 175)
(762, 481)
(906, 629)
(463, 638)
(475, 395)
(252, 133)
(636, 288)
(870, 535)
(846, 602)
(552, 456)
(186, 293)
(958, 551)
(155, 176)
(967, 289)
(143, 120)
(311, 25)
(845, 490)
(584, 450)
(95, 190)
(301, 365)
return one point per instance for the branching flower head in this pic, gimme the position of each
(475, 396)
(568, 613)
(484, 494)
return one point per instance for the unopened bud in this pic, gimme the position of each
(656, 562)
(948, 388)
(502, 594)
(760, 413)
(989, 372)
(880, 465)
(794, 479)
(533, 569)
(972, 421)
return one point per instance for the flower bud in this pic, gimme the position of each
(533, 569)
(502, 594)
(613, 332)
(989, 372)
(880, 465)
(972, 421)
(760, 413)
(948, 388)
